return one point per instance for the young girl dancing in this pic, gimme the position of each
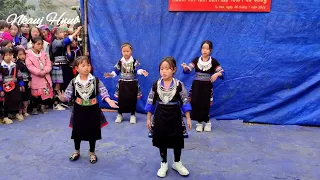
(166, 99)
(128, 89)
(207, 70)
(87, 118)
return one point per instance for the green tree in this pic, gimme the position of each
(8, 7)
(47, 5)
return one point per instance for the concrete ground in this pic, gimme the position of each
(39, 147)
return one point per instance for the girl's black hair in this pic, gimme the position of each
(15, 24)
(23, 25)
(171, 61)
(53, 37)
(5, 50)
(3, 24)
(75, 26)
(126, 44)
(80, 60)
(17, 50)
(36, 39)
(4, 43)
(59, 29)
(207, 42)
(30, 36)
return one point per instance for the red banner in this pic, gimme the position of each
(220, 5)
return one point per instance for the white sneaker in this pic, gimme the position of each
(162, 172)
(133, 119)
(180, 168)
(58, 107)
(119, 118)
(199, 127)
(19, 117)
(207, 127)
(6, 120)
(26, 115)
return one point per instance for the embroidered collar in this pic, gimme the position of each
(78, 80)
(4, 64)
(166, 95)
(173, 82)
(204, 65)
(205, 62)
(85, 89)
(123, 60)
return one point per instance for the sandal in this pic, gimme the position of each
(93, 158)
(75, 156)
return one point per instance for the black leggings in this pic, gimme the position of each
(38, 101)
(6, 113)
(92, 145)
(132, 113)
(1, 109)
(176, 152)
(206, 121)
(4, 110)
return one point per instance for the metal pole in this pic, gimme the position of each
(85, 27)
(84, 40)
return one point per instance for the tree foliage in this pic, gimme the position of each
(19, 7)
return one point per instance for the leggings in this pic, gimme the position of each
(176, 152)
(92, 144)
(38, 101)
(132, 113)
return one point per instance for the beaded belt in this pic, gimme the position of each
(203, 77)
(59, 60)
(25, 76)
(9, 78)
(88, 102)
(169, 103)
(127, 79)
(127, 76)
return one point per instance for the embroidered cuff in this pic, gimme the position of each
(69, 56)
(21, 83)
(149, 108)
(71, 38)
(67, 40)
(66, 98)
(187, 71)
(114, 74)
(139, 71)
(67, 95)
(104, 97)
(186, 108)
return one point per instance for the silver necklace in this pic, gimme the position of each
(204, 66)
(166, 95)
(85, 90)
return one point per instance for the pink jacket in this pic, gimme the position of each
(38, 77)
(5, 36)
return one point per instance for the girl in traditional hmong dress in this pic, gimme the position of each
(207, 70)
(11, 86)
(26, 95)
(61, 72)
(167, 98)
(128, 89)
(87, 118)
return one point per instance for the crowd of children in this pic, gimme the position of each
(38, 64)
